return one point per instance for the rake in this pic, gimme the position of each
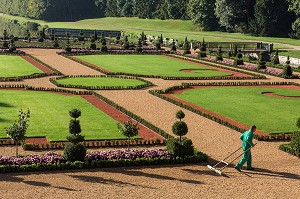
(219, 170)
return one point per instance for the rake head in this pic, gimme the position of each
(214, 170)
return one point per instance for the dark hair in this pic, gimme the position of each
(253, 127)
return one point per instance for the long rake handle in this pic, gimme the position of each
(242, 154)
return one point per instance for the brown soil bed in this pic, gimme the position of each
(38, 65)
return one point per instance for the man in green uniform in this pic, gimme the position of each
(246, 138)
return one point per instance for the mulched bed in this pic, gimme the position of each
(37, 64)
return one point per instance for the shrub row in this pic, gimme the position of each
(159, 93)
(56, 72)
(289, 149)
(75, 52)
(147, 83)
(217, 65)
(101, 164)
(8, 52)
(90, 144)
(12, 86)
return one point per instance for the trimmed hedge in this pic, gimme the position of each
(159, 93)
(289, 149)
(56, 72)
(147, 83)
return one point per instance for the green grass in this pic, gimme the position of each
(248, 106)
(14, 66)
(177, 29)
(101, 81)
(50, 115)
(150, 65)
(291, 53)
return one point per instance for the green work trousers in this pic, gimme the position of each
(247, 157)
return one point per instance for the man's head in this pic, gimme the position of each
(253, 128)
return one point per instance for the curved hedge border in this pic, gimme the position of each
(201, 158)
(165, 77)
(20, 78)
(147, 83)
(56, 72)
(274, 136)
(218, 65)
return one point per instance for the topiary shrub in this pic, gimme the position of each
(68, 48)
(173, 47)
(180, 148)
(219, 56)
(202, 49)
(180, 115)
(5, 44)
(275, 59)
(56, 44)
(287, 71)
(81, 37)
(180, 128)
(186, 47)
(103, 49)
(139, 48)
(93, 46)
(74, 152)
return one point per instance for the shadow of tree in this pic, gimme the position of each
(2, 104)
(138, 172)
(17, 178)
(101, 180)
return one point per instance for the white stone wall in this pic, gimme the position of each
(295, 62)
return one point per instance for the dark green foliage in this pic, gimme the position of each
(295, 141)
(186, 46)
(103, 48)
(173, 47)
(74, 152)
(157, 45)
(81, 37)
(161, 41)
(75, 113)
(239, 60)
(126, 43)
(139, 48)
(298, 123)
(74, 127)
(180, 148)
(219, 54)
(235, 51)
(287, 71)
(275, 59)
(55, 44)
(128, 129)
(180, 128)
(262, 61)
(180, 115)
(93, 46)
(5, 44)
(202, 49)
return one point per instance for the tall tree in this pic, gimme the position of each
(272, 18)
(234, 15)
(294, 6)
(177, 9)
(202, 14)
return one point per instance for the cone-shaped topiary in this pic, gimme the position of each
(186, 47)
(275, 59)
(173, 48)
(219, 56)
(126, 43)
(287, 70)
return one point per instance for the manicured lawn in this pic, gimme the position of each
(248, 106)
(14, 66)
(100, 81)
(50, 115)
(150, 65)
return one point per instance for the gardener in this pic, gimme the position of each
(247, 143)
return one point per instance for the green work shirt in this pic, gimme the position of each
(246, 138)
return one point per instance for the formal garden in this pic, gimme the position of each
(74, 116)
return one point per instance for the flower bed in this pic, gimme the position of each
(8, 52)
(76, 51)
(114, 158)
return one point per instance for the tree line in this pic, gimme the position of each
(279, 18)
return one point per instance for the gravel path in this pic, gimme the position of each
(277, 174)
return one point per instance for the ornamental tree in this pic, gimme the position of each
(180, 115)
(128, 129)
(75, 150)
(17, 131)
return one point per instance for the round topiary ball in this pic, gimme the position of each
(74, 152)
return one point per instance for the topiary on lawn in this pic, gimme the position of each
(219, 56)
(186, 47)
(75, 150)
(275, 59)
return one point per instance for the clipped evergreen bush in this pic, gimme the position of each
(173, 47)
(180, 148)
(93, 46)
(75, 150)
(186, 47)
(126, 43)
(239, 60)
(180, 128)
(275, 59)
(180, 115)
(262, 61)
(219, 56)
(287, 70)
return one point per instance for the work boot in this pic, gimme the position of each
(237, 168)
